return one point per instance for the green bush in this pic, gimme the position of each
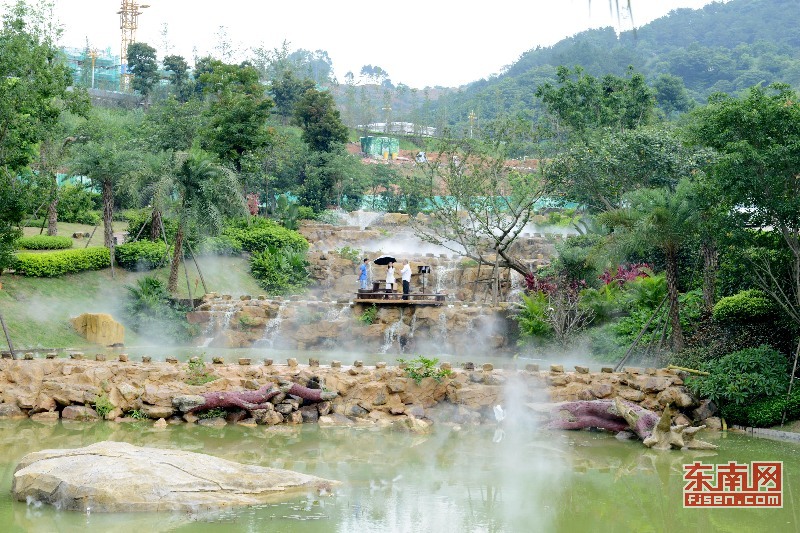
(263, 233)
(742, 376)
(423, 367)
(532, 316)
(149, 309)
(280, 270)
(368, 316)
(763, 412)
(221, 245)
(52, 264)
(77, 204)
(305, 213)
(138, 219)
(44, 242)
(140, 255)
(746, 306)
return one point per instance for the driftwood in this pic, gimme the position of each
(249, 400)
(618, 415)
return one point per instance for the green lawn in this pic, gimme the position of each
(66, 229)
(37, 310)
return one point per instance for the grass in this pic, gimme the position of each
(66, 229)
(37, 310)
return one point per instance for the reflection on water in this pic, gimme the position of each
(454, 479)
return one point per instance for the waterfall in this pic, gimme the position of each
(444, 276)
(221, 313)
(272, 328)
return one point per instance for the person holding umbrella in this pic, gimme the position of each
(405, 275)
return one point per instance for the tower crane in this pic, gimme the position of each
(129, 12)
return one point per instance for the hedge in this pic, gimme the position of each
(745, 306)
(44, 242)
(140, 255)
(221, 245)
(52, 264)
(765, 411)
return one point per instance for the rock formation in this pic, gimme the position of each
(100, 328)
(119, 477)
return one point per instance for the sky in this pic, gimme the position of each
(419, 43)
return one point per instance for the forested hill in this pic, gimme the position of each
(723, 47)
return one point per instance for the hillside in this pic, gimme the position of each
(723, 47)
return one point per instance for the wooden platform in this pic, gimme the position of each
(389, 297)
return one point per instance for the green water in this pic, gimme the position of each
(514, 479)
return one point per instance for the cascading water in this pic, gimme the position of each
(272, 328)
(444, 276)
(221, 315)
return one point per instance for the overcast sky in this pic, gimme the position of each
(419, 43)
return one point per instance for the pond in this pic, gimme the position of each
(508, 478)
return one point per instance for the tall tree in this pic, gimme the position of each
(200, 192)
(319, 119)
(144, 67)
(666, 218)
(758, 139)
(104, 153)
(236, 118)
(179, 78)
(286, 90)
(33, 91)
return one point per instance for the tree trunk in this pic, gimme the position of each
(249, 400)
(108, 214)
(672, 293)
(155, 225)
(172, 284)
(710, 263)
(52, 217)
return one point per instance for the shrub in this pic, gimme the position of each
(103, 405)
(77, 204)
(368, 316)
(197, 373)
(423, 367)
(745, 306)
(743, 376)
(532, 316)
(280, 270)
(148, 308)
(53, 264)
(351, 254)
(305, 213)
(144, 217)
(264, 234)
(44, 242)
(764, 412)
(140, 255)
(221, 245)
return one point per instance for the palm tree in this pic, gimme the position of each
(200, 192)
(662, 218)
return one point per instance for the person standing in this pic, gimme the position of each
(390, 276)
(362, 276)
(405, 275)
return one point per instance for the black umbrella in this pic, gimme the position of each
(385, 260)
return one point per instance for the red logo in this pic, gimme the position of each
(758, 484)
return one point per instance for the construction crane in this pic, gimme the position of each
(129, 12)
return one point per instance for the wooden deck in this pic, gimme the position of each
(390, 297)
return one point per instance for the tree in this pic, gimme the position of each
(286, 91)
(103, 152)
(33, 94)
(581, 103)
(597, 170)
(319, 119)
(144, 67)
(236, 118)
(200, 192)
(665, 218)
(479, 204)
(758, 139)
(179, 77)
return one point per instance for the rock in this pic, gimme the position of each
(46, 416)
(706, 409)
(160, 423)
(581, 369)
(120, 477)
(309, 413)
(631, 395)
(10, 410)
(79, 412)
(681, 419)
(158, 411)
(601, 390)
(216, 422)
(100, 328)
(713, 423)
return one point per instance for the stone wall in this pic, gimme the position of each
(49, 389)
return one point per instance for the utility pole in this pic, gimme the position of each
(128, 23)
(93, 54)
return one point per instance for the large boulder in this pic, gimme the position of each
(119, 477)
(100, 328)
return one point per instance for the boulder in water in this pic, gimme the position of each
(120, 477)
